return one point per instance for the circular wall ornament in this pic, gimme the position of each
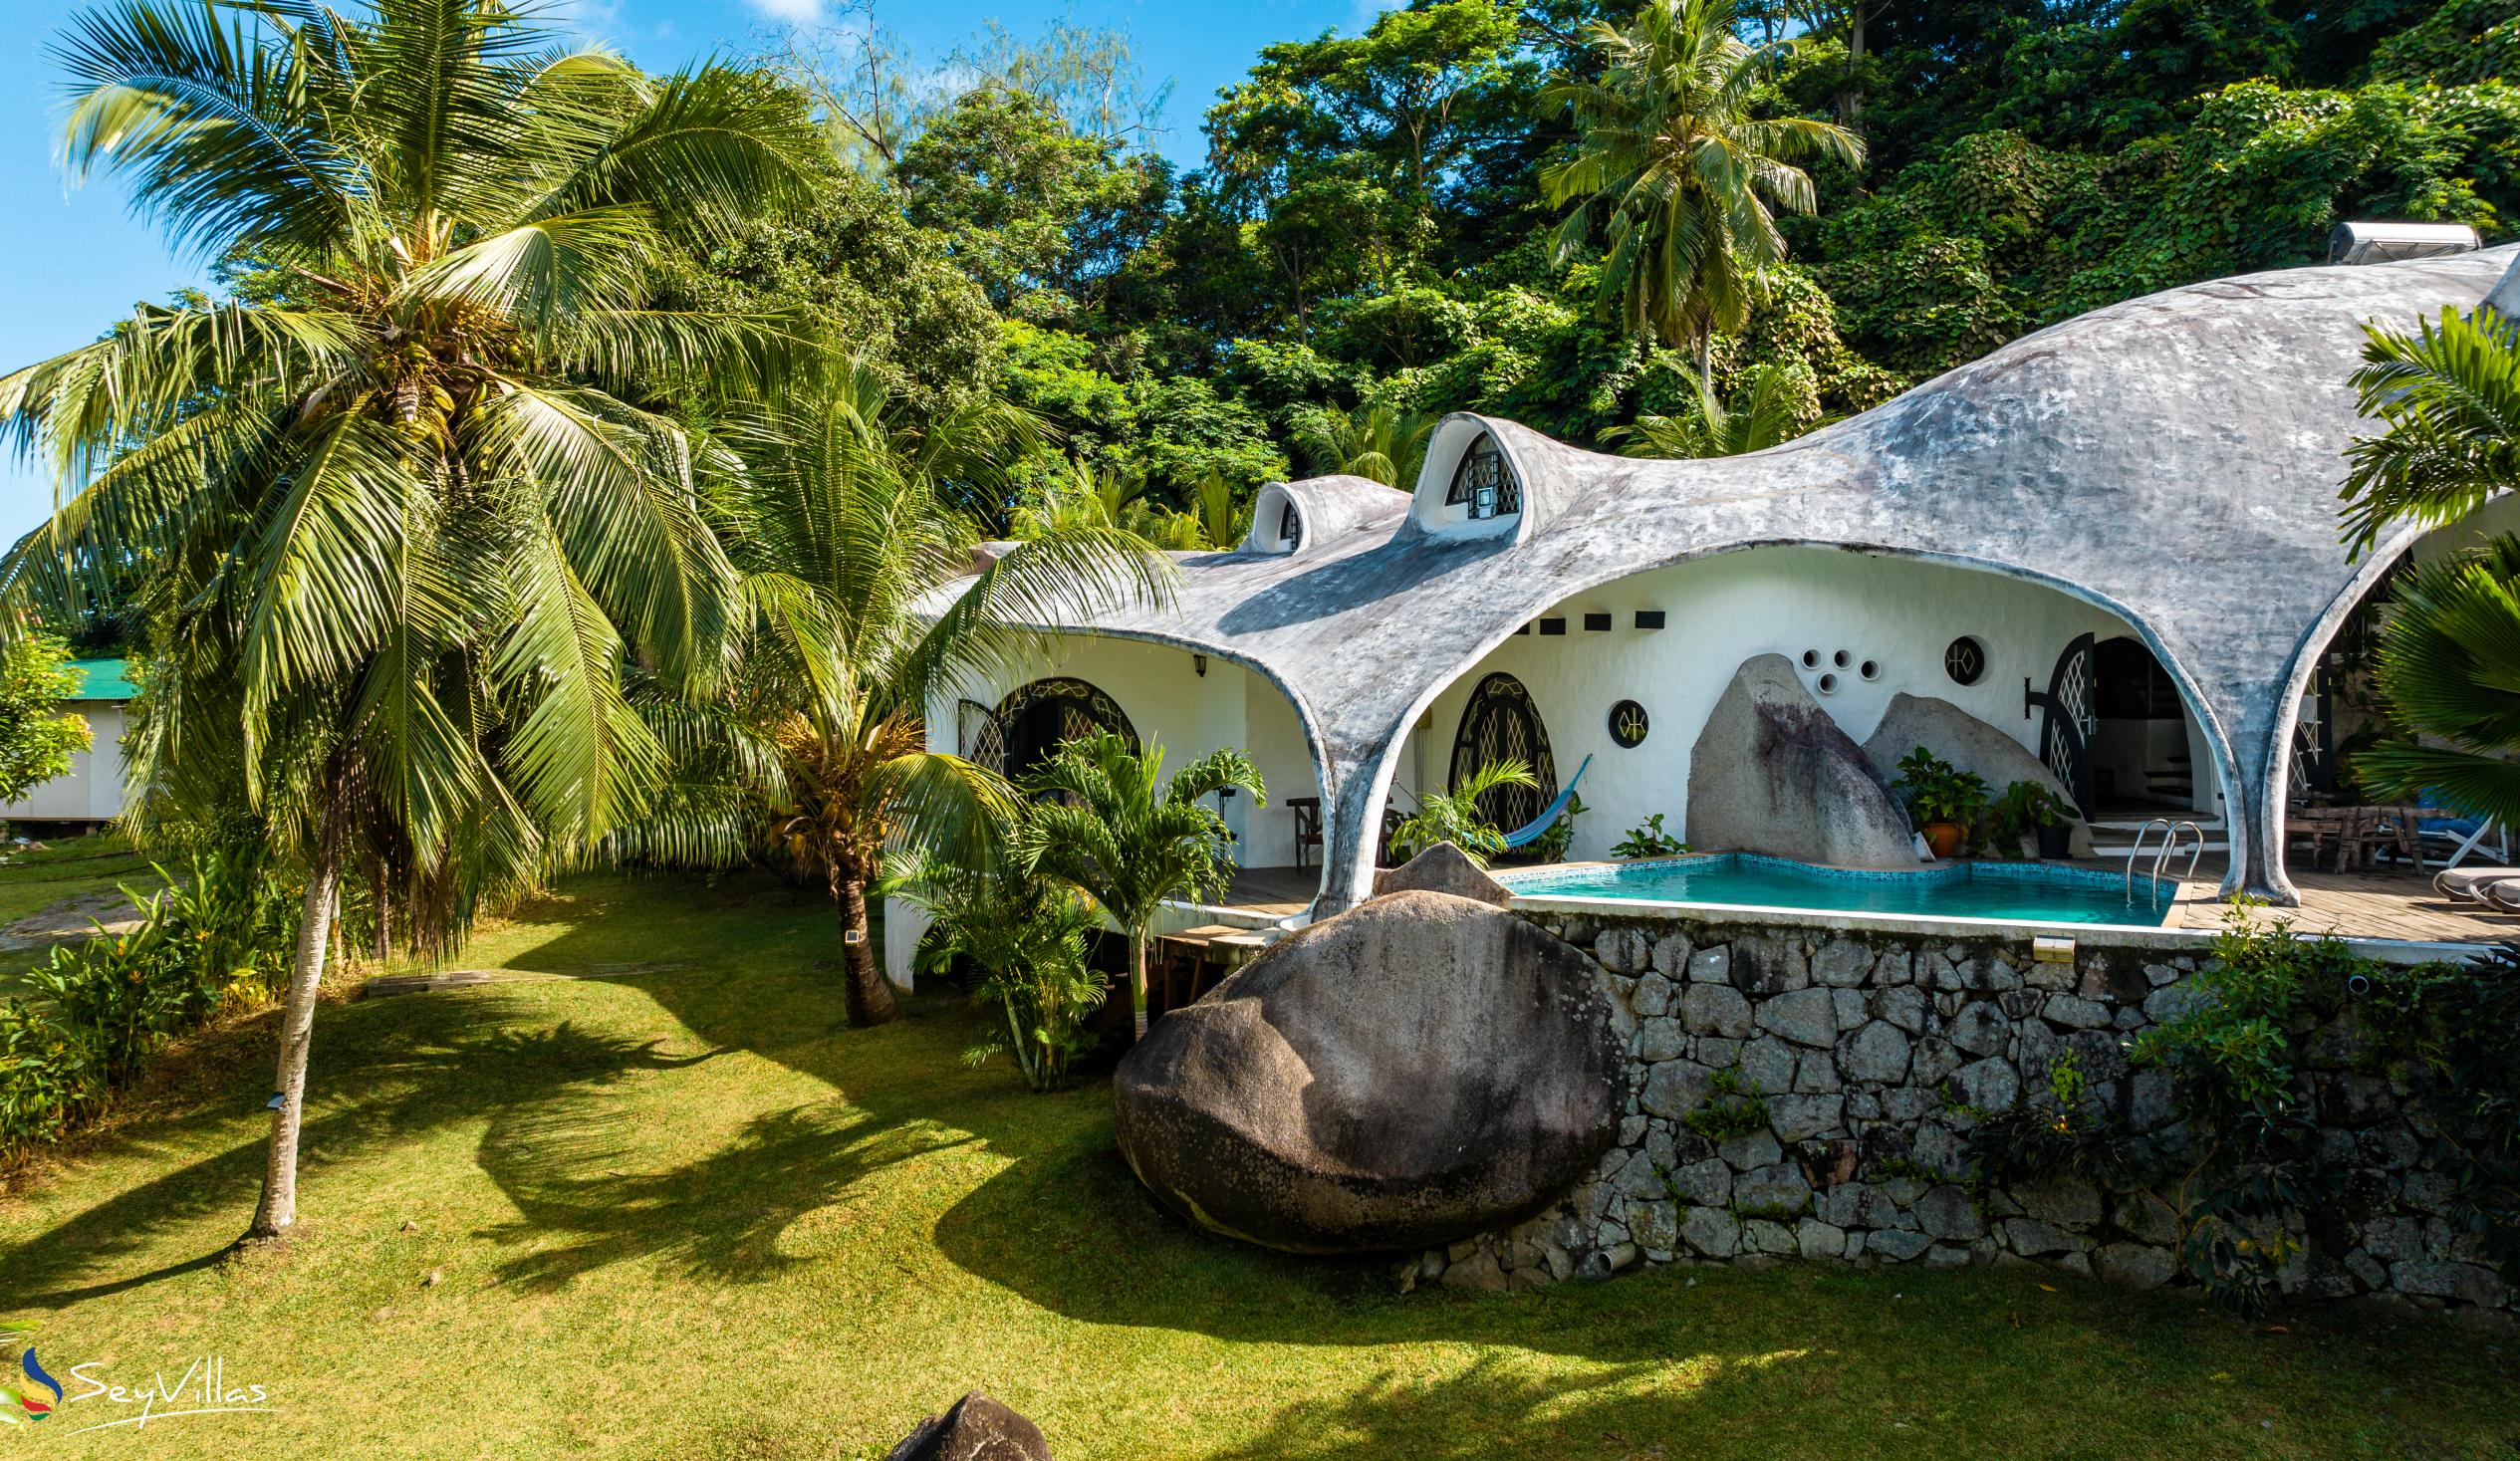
(1965, 661)
(1628, 724)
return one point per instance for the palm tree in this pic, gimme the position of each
(398, 509)
(1673, 152)
(852, 515)
(1767, 419)
(2450, 395)
(2449, 647)
(1079, 492)
(1383, 444)
(1106, 828)
(2449, 671)
(1455, 817)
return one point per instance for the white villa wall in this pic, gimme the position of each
(91, 790)
(1191, 714)
(1899, 612)
(1168, 702)
(2500, 516)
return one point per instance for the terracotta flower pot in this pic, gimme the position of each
(1943, 837)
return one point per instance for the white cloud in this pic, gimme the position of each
(791, 12)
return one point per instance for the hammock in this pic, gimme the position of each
(1525, 835)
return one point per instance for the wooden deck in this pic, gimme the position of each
(2389, 903)
(1277, 891)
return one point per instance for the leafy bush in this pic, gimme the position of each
(1552, 846)
(1936, 790)
(218, 936)
(2060, 1132)
(2244, 1168)
(1647, 839)
(1028, 937)
(1455, 815)
(2024, 808)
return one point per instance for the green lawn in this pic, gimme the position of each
(685, 1211)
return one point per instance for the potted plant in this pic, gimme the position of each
(1942, 801)
(2029, 808)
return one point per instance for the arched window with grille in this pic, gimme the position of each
(1030, 722)
(1484, 482)
(1290, 526)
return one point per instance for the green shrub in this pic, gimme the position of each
(216, 936)
(1647, 839)
(1936, 790)
(1028, 937)
(2247, 1165)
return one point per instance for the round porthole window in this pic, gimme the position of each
(1842, 659)
(1965, 661)
(1811, 659)
(1870, 671)
(1828, 684)
(1628, 724)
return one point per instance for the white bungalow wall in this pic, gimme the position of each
(1167, 702)
(1899, 612)
(91, 789)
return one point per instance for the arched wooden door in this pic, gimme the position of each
(1502, 724)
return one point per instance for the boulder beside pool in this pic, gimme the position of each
(1772, 772)
(1414, 1071)
(1970, 744)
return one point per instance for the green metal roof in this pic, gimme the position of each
(101, 679)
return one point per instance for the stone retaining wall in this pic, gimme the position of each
(1873, 1054)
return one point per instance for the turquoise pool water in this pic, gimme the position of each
(2034, 891)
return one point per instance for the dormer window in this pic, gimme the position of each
(1484, 483)
(1290, 526)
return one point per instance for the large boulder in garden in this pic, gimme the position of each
(1414, 1071)
(1443, 869)
(1970, 744)
(1773, 774)
(977, 1428)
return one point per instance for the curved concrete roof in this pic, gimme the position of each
(2174, 459)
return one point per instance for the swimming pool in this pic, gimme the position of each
(2040, 892)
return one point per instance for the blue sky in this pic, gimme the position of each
(74, 260)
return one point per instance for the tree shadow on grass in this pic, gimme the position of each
(385, 1071)
(1628, 1411)
(720, 1216)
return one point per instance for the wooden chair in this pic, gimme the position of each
(1307, 812)
(2376, 830)
(2321, 828)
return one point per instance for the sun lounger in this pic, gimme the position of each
(2465, 884)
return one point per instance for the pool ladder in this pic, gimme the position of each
(2168, 849)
